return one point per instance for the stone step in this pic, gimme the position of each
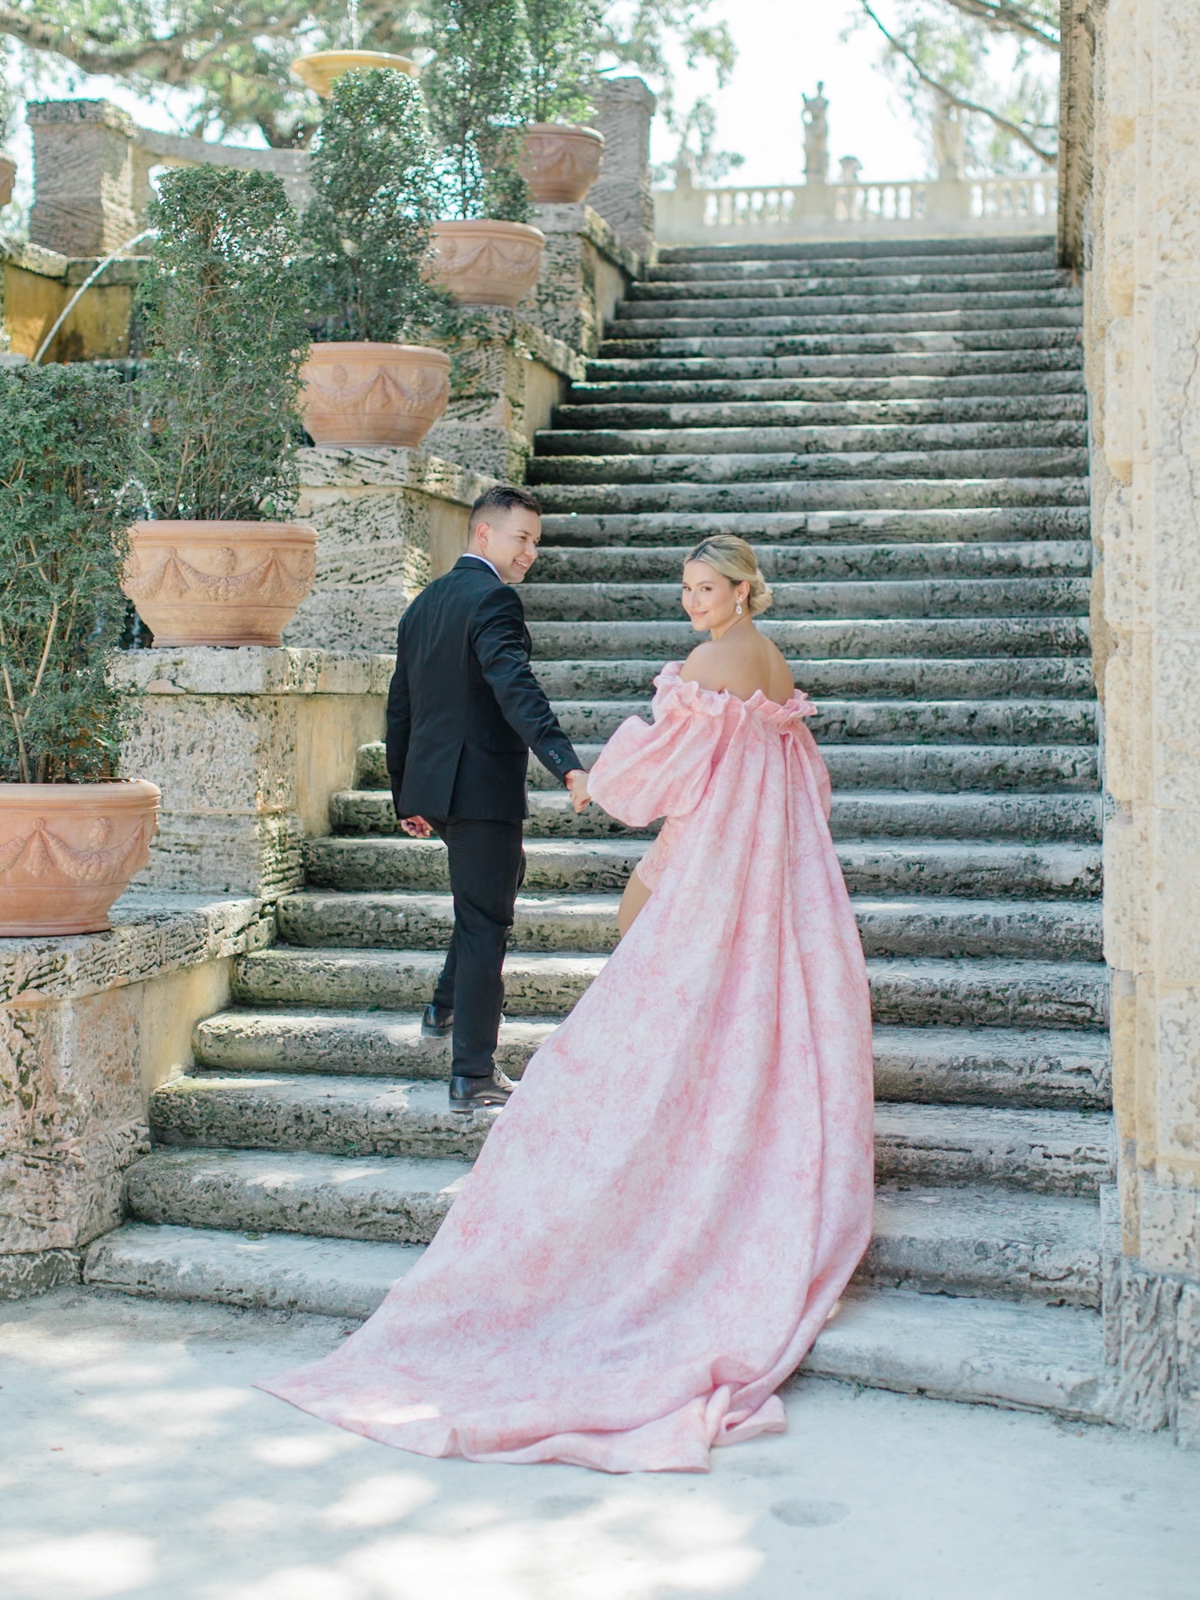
(1068, 522)
(908, 992)
(896, 815)
(588, 866)
(985, 1351)
(910, 925)
(918, 768)
(986, 1242)
(854, 495)
(834, 345)
(886, 721)
(760, 285)
(891, 678)
(783, 297)
(1056, 1069)
(857, 638)
(771, 466)
(1040, 1151)
(1018, 1247)
(922, 439)
(773, 414)
(1017, 376)
(998, 253)
(892, 598)
(646, 326)
(826, 563)
(938, 357)
(982, 1352)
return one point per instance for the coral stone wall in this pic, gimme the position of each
(1143, 356)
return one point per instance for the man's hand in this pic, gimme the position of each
(577, 785)
(416, 828)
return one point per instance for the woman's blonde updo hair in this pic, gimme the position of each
(734, 559)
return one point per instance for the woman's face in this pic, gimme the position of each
(709, 598)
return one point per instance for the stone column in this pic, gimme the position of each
(1143, 338)
(624, 108)
(85, 175)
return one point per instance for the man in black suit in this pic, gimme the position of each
(464, 710)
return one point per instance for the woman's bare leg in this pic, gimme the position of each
(635, 897)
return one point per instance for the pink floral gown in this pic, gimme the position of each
(669, 1207)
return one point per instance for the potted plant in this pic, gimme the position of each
(560, 160)
(368, 233)
(485, 252)
(71, 836)
(222, 302)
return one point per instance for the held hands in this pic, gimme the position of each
(416, 828)
(577, 785)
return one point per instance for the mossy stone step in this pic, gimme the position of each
(806, 494)
(832, 344)
(578, 414)
(816, 529)
(909, 991)
(782, 297)
(1057, 1069)
(772, 466)
(824, 562)
(943, 360)
(767, 286)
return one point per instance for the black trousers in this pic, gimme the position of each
(487, 867)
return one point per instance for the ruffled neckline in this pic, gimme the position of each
(715, 702)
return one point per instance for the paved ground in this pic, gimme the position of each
(136, 1461)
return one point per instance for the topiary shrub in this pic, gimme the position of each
(66, 440)
(368, 229)
(477, 88)
(222, 304)
(563, 39)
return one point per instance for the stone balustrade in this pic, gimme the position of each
(783, 213)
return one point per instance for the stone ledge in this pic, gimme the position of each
(151, 935)
(252, 669)
(392, 469)
(24, 1273)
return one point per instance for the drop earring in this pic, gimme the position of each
(739, 608)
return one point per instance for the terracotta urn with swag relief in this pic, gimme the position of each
(364, 393)
(219, 583)
(560, 161)
(487, 263)
(68, 850)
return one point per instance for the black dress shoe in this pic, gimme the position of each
(467, 1093)
(436, 1022)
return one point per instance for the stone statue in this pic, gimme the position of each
(816, 137)
(684, 167)
(949, 141)
(850, 166)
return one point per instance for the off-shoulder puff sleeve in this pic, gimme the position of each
(660, 768)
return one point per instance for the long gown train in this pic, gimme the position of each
(676, 1195)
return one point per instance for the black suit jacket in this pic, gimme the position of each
(464, 708)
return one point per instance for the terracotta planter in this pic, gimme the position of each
(320, 70)
(560, 162)
(487, 263)
(8, 176)
(222, 583)
(361, 393)
(67, 850)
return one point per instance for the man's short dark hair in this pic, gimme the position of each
(502, 497)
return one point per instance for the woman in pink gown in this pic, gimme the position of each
(679, 1190)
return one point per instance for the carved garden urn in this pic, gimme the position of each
(219, 583)
(485, 263)
(362, 393)
(560, 162)
(68, 850)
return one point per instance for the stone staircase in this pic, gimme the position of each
(900, 430)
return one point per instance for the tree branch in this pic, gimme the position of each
(1013, 128)
(1003, 16)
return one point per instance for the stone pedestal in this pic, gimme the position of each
(1142, 335)
(86, 198)
(88, 1026)
(586, 273)
(387, 522)
(247, 746)
(506, 379)
(621, 194)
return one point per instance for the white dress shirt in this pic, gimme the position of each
(475, 556)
